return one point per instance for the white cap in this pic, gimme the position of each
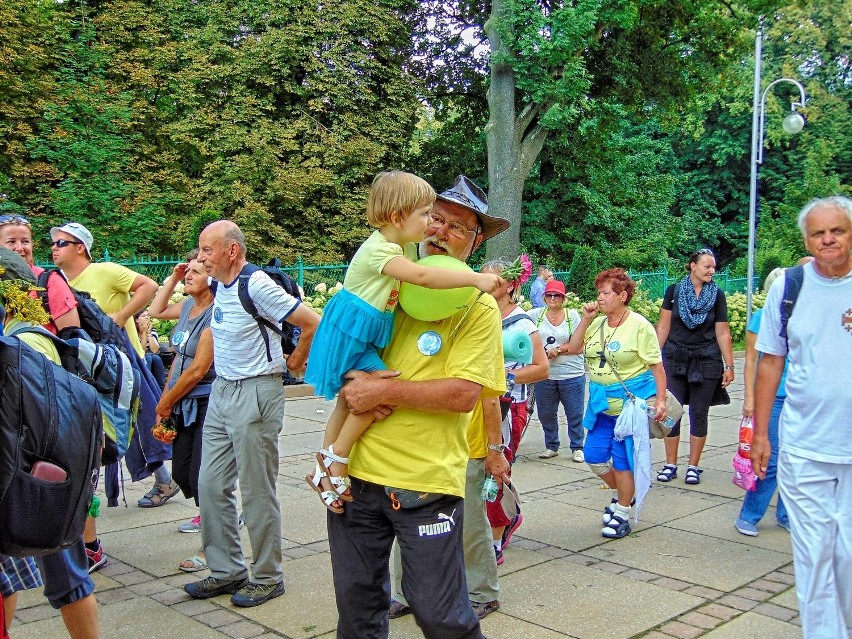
(77, 230)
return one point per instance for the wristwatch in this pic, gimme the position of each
(728, 367)
(498, 447)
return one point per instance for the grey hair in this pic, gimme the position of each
(497, 266)
(233, 234)
(774, 274)
(839, 201)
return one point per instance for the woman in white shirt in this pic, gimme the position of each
(566, 382)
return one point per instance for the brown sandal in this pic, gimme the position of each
(159, 495)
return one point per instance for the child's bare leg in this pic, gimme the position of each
(335, 423)
(352, 429)
(332, 430)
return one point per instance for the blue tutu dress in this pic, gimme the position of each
(348, 337)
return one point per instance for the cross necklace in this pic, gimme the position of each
(608, 340)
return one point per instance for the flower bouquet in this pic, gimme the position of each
(518, 271)
(164, 431)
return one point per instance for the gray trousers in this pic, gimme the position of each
(480, 563)
(240, 440)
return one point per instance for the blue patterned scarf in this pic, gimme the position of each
(693, 310)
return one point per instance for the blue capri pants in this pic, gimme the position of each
(601, 445)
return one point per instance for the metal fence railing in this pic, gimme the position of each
(310, 275)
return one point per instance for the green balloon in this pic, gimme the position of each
(429, 304)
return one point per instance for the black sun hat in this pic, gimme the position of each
(465, 193)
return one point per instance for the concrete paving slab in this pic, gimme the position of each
(577, 600)
(787, 599)
(156, 550)
(719, 522)
(130, 619)
(307, 608)
(691, 557)
(754, 625)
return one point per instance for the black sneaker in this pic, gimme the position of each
(212, 587)
(398, 609)
(255, 594)
(484, 609)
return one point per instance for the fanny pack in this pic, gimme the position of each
(402, 498)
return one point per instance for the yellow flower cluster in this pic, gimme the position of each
(15, 298)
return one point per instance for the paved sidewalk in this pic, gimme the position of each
(684, 572)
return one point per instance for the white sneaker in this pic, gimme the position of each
(578, 456)
(548, 454)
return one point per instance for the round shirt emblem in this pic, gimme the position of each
(177, 338)
(613, 347)
(217, 314)
(429, 343)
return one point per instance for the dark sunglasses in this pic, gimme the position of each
(554, 295)
(14, 219)
(63, 243)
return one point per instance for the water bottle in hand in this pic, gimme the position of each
(652, 413)
(490, 488)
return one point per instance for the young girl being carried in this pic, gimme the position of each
(358, 320)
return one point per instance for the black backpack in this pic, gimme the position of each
(289, 334)
(50, 416)
(99, 327)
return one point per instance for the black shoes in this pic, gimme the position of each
(212, 587)
(255, 594)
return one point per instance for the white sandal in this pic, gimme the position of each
(341, 483)
(327, 497)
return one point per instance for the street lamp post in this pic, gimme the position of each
(792, 124)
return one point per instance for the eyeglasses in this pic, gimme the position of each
(456, 229)
(14, 219)
(554, 295)
(63, 243)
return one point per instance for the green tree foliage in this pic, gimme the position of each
(86, 138)
(275, 114)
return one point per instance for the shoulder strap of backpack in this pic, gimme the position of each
(251, 308)
(65, 349)
(794, 277)
(508, 321)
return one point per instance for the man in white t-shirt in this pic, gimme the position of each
(815, 432)
(244, 418)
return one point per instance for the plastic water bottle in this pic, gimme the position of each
(668, 421)
(490, 488)
(746, 436)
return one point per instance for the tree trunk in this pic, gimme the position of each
(513, 141)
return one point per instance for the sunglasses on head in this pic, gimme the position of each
(63, 243)
(704, 251)
(14, 219)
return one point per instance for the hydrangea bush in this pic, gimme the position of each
(643, 304)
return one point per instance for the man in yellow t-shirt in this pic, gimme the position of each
(120, 292)
(419, 452)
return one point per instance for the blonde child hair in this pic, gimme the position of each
(396, 192)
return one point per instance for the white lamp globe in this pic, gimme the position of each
(793, 123)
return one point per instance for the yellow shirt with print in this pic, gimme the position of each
(630, 348)
(428, 451)
(109, 285)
